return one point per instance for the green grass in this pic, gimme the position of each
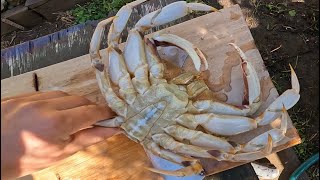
(96, 9)
(307, 148)
(301, 119)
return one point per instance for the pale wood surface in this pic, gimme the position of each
(211, 33)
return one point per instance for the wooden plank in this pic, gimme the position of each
(103, 161)
(11, 23)
(14, 11)
(212, 34)
(49, 8)
(19, 15)
(290, 162)
(25, 83)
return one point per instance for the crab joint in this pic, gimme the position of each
(98, 65)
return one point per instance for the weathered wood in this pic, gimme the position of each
(49, 8)
(290, 162)
(14, 11)
(212, 34)
(11, 23)
(20, 15)
(105, 161)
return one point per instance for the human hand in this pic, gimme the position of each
(40, 129)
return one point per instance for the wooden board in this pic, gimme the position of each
(212, 35)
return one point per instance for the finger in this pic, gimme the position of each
(40, 96)
(67, 102)
(11, 103)
(20, 96)
(84, 116)
(45, 95)
(87, 137)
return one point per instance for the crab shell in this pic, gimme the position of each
(164, 114)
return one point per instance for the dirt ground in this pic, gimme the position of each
(282, 39)
(64, 20)
(285, 32)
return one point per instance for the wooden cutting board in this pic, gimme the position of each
(120, 158)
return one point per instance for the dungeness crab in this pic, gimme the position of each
(163, 115)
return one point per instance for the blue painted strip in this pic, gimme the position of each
(29, 46)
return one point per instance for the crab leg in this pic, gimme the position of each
(289, 98)
(120, 21)
(96, 42)
(277, 135)
(169, 143)
(248, 156)
(201, 139)
(192, 165)
(97, 61)
(170, 13)
(210, 106)
(251, 82)
(119, 75)
(135, 58)
(195, 53)
(114, 102)
(156, 68)
(225, 125)
(251, 97)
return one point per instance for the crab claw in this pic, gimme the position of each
(96, 42)
(289, 98)
(277, 135)
(195, 53)
(251, 82)
(224, 125)
(192, 166)
(118, 25)
(120, 21)
(170, 13)
(243, 157)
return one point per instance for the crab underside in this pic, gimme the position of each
(166, 115)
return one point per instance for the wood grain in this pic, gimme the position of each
(211, 33)
(115, 158)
